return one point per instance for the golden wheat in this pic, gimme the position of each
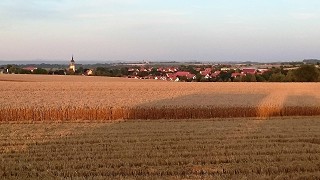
(105, 114)
(38, 98)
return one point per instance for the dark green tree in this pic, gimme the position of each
(100, 71)
(277, 77)
(237, 79)
(9, 66)
(290, 77)
(154, 71)
(40, 71)
(191, 70)
(307, 73)
(12, 69)
(225, 76)
(124, 71)
(260, 78)
(143, 74)
(80, 70)
(198, 77)
(115, 73)
(22, 71)
(249, 78)
(267, 75)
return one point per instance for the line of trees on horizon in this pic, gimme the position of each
(305, 73)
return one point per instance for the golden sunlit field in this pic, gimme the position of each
(38, 98)
(78, 127)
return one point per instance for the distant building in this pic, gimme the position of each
(225, 69)
(88, 72)
(3, 70)
(237, 75)
(249, 71)
(72, 66)
(30, 68)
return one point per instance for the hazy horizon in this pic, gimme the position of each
(155, 30)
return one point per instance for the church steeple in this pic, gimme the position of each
(72, 66)
(72, 59)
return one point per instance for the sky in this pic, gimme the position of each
(160, 30)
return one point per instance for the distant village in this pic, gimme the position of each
(185, 72)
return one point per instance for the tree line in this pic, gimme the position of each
(305, 73)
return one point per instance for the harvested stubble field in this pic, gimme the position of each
(237, 148)
(72, 98)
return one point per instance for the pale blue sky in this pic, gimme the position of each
(132, 30)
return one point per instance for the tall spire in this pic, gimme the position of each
(72, 60)
(72, 66)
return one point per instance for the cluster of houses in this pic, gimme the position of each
(174, 74)
(166, 73)
(246, 71)
(58, 71)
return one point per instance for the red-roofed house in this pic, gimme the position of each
(261, 71)
(30, 68)
(172, 69)
(191, 76)
(205, 73)
(182, 73)
(249, 71)
(208, 70)
(143, 70)
(215, 74)
(172, 77)
(175, 76)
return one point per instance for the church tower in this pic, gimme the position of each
(72, 66)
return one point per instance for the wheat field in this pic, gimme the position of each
(39, 97)
(77, 127)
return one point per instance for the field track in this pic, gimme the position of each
(73, 98)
